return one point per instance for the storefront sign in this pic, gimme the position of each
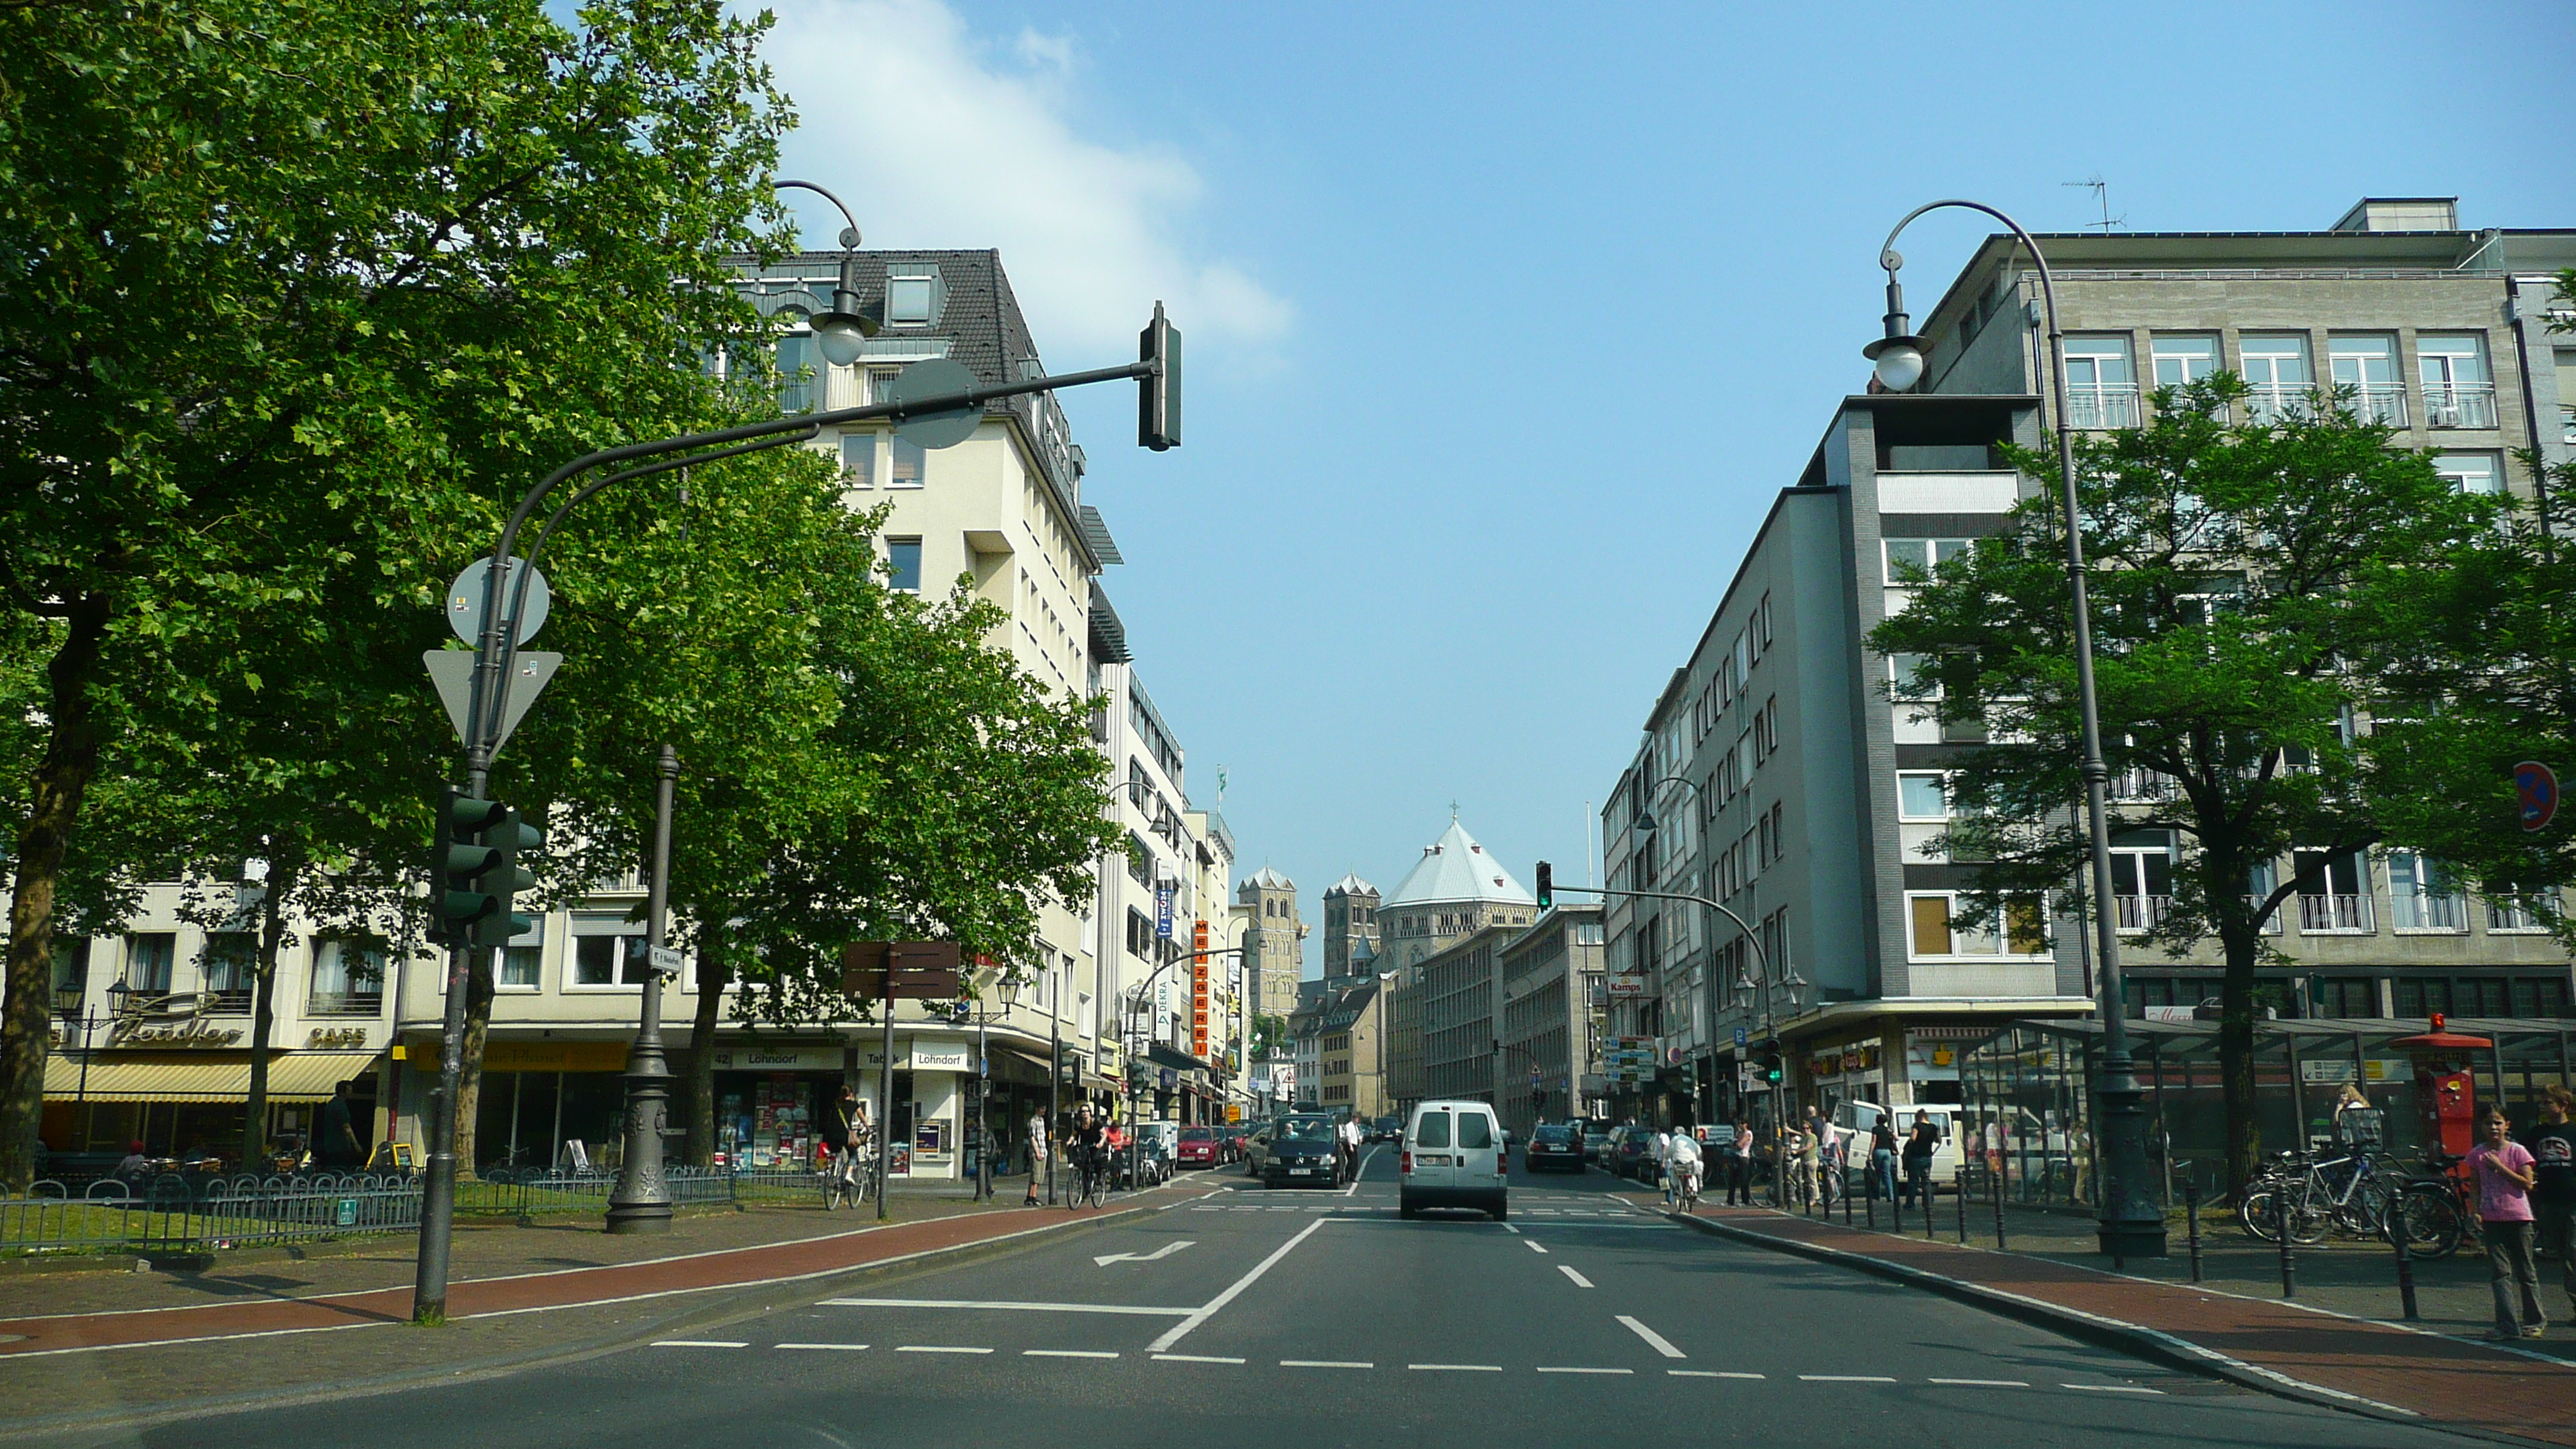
(940, 1056)
(2334, 1071)
(336, 1039)
(781, 1058)
(1199, 990)
(541, 1056)
(135, 1031)
(930, 1139)
(1627, 985)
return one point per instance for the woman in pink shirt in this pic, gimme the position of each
(2503, 1170)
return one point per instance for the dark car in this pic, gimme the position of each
(1554, 1147)
(1302, 1152)
(1631, 1153)
(1199, 1147)
(1386, 1129)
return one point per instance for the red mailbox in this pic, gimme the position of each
(2444, 1091)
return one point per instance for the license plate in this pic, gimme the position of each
(1434, 1159)
(1300, 1171)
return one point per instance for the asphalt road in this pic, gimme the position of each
(1316, 1317)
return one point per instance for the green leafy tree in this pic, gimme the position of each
(2233, 572)
(293, 301)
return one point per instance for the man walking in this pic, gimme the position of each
(1739, 1165)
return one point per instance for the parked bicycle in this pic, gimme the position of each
(2348, 1194)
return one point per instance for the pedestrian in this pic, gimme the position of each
(1810, 1146)
(338, 1144)
(1917, 1159)
(2501, 1168)
(1663, 1160)
(1739, 1166)
(1882, 1156)
(134, 1169)
(2553, 1193)
(1037, 1153)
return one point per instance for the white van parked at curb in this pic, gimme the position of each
(1454, 1156)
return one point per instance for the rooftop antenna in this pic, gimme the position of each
(2101, 190)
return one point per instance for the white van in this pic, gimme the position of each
(1454, 1156)
(1855, 1121)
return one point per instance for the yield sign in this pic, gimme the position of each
(452, 670)
(1165, 1251)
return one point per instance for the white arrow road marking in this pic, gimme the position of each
(1156, 1256)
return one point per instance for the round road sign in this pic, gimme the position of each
(465, 601)
(945, 429)
(2535, 789)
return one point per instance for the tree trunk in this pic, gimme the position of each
(263, 1011)
(54, 803)
(469, 1075)
(2236, 1056)
(714, 974)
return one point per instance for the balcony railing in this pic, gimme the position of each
(2459, 405)
(2419, 910)
(2334, 915)
(2382, 403)
(2272, 923)
(2141, 787)
(344, 1003)
(2102, 406)
(2512, 915)
(2267, 405)
(2141, 913)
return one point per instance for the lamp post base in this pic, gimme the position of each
(641, 1202)
(2133, 1221)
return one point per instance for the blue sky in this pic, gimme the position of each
(1505, 322)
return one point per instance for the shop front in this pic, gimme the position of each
(930, 1105)
(188, 1103)
(774, 1101)
(540, 1102)
(1851, 1070)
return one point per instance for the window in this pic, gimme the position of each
(903, 556)
(2455, 995)
(1912, 560)
(147, 961)
(2458, 390)
(2345, 996)
(881, 383)
(1937, 931)
(607, 950)
(2334, 892)
(2276, 368)
(348, 977)
(858, 460)
(1921, 796)
(910, 301)
(2367, 363)
(1766, 730)
(2421, 896)
(906, 459)
(2101, 386)
(1475, 1129)
(522, 965)
(230, 962)
(1140, 933)
(2471, 472)
(797, 373)
(2184, 358)
(2141, 877)
(71, 972)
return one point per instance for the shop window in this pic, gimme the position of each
(2346, 996)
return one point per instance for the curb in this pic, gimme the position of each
(741, 1300)
(2154, 1345)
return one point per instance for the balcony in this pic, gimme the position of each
(2427, 911)
(2382, 403)
(2141, 913)
(2141, 787)
(345, 1003)
(2512, 917)
(2459, 405)
(2101, 406)
(2334, 915)
(2265, 406)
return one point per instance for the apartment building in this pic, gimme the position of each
(1553, 995)
(1776, 776)
(1350, 1044)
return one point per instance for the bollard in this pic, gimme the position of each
(1996, 1180)
(2281, 1226)
(2191, 1213)
(1869, 1197)
(1930, 1228)
(1844, 1175)
(1963, 1207)
(2405, 1263)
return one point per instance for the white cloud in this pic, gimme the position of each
(936, 140)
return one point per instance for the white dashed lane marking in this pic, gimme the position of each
(697, 1343)
(1546, 1369)
(1707, 1374)
(1535, 1247)
(1322, 1363)
(1579, 1280)
(1193, 1358)
(937, 1348)
(1064, 1353)
(2110, 1388)
(1654, 1340)
(842, 1347)
(1984, 1383)
(1455, 1368)
(1845, 1379)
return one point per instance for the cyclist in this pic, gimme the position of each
(851, 1137)
(1090, 1139)
(1681, 1166)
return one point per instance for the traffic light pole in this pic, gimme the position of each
(438, 1184)
(1752, 941)
(641, 1202)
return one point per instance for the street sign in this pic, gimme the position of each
(465, 601)
(923, 970)
(1163, 912)
(1740, 1036)
(666, 959)
(452, 671)
(945, 429)
(2535, 788)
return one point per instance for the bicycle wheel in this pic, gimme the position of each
(2430, 1217)
(2365, 1213)
(2254, 1213)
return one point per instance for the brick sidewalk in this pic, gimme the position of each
(841, 1247)
(2393, 1370)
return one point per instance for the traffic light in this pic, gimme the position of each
(1771, 1067)
(461, 867)
(1546, 885)
(1158, 398)
(506, 838)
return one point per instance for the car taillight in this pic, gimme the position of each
(1408, 1162)
(1503, 1163)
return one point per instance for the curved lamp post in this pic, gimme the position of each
(2132, 1224)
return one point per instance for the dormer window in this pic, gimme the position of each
(913, 296)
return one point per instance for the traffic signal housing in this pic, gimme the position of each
(1158, 399)
(507, 838)
(1546, 885)
(461, 867)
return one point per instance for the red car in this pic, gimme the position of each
(1198, 1147)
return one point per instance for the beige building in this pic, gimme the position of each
(1350, 926)
(1351, 1044)
(1553, 999)
(1452, 892)
(1274, 944)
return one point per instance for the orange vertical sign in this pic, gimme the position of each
(1199, 990)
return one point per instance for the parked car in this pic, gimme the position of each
(1200, 1147)
(1302, 1152)
(1554, 1147)
(1389, 1128)
(1631, 1153)
(1854, 1121)
(1454, 1157)
(1595, 1139)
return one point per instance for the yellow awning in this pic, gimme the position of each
(205, 1077)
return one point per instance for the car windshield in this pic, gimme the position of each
(1306, 1129)
(1197, 1134)
(1552, 1136)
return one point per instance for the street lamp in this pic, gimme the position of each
(1645, 825)
(2132, 1225)
(1008, 988)
(841, 334)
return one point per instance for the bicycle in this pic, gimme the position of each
(2344, 1194)
(1686, 1188)
(853, 1175)
(1091, 1180)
